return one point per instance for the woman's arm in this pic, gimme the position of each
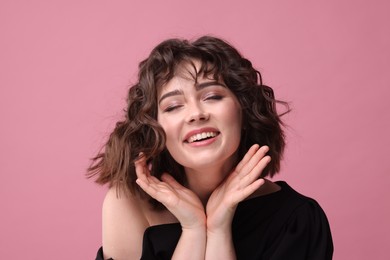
(191, 245)
(123, 226)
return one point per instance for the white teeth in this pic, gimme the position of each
(201, 136)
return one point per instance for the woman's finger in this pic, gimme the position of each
(253, 161)
(146, 187)
(254, 148)
(255, 173)
(141, 168)
(154, 188)
(249, 190)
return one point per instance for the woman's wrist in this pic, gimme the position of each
(220, 226)
(199, 227)
(220, 244)
(194, 224)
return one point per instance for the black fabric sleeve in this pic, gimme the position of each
(160, 241)
(306, 235)
(147, 247)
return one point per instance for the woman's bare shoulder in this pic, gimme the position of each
(124, 223)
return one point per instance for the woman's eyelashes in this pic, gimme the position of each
(210, 97)
(213, 97)
(171, 108)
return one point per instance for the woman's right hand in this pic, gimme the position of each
(180, 201)
(243, 181)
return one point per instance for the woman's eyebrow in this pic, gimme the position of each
(203, 85)
(198, 86)
(175, 92)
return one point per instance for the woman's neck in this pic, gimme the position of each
(204, 181)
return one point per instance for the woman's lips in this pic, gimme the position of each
(203, 142)
(199, 135)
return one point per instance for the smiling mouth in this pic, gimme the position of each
(201, 136)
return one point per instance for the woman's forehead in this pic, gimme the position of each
(180, 82)
(189, 73)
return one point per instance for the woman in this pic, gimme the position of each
(187, 167)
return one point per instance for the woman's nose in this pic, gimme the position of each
(196, 113)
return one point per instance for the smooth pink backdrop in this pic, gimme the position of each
(65, 67)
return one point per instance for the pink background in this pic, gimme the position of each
(65, 67)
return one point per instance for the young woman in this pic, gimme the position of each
(187, 167)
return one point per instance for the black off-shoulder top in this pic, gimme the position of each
(281, 225)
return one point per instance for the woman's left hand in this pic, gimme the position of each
(183, 203)
(241, 183)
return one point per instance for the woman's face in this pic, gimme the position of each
(202, 121)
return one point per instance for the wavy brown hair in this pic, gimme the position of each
(140, 132)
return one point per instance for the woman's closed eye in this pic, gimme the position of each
(171, 108)
(209, 97)
(213, 97)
